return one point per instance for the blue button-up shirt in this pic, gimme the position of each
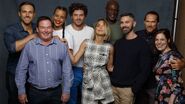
(47, 66)
(11, 35)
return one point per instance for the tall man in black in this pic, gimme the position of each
(131, 62)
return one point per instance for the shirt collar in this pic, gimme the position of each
(38, 41)
(22, 29)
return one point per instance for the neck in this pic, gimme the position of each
(99, 39)
(110, 21)
(131, 35)
(57, 28)
(79, 27)
(46, 42)
(27, 27)
(166, 50)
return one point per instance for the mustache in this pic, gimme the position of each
(125, 27)
(79, 19)
(149, 26)
(27, 17)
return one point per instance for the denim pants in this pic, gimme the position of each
(37, 96)
(76, 89)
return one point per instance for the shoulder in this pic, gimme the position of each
(141, 40)
(86, 41)
(176, 54)
(12, 27)
(88, 28)
(142, 43)
(118, 41)
(109, 45)
(31, 43)
(68, 26)
(140, 32)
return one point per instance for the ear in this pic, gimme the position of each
(157, 23)
(37, 30)
(19, 14)
(168, 40)
(34, 14)
(134, 24)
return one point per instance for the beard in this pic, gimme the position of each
(126, 30)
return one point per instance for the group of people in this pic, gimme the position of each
(51, 63)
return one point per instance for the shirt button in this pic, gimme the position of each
(48, 71)
(46, 54)
(47, 62)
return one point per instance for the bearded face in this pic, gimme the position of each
(127, 24)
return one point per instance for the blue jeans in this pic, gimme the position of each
(76, 89)
(51, 96)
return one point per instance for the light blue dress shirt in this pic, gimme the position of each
(47, 66)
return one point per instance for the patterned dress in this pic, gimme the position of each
(96, 81)
(169, 81)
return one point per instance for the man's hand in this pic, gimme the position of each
(172, 99)
(23, 99)
(32, 36)
(61, 39)
(65, 98)
(177, 63)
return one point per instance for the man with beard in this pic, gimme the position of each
(131, 62)
(112, 11)
(15, 38)
(151, 21)
(79, 31)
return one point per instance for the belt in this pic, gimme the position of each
(47, 89)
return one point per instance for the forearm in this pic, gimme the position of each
(19, 44)
(172, 98)
(71, 56)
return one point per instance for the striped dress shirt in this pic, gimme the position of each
(47, 66)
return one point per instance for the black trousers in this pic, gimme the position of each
(12, 89)
(48, 96)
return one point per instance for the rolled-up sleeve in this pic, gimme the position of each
(21, 70)
(67, 73)
(9, 40)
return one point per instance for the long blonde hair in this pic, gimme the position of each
(107, 30)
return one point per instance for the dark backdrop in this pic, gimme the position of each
(8, 15)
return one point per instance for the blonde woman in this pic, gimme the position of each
(98, 58)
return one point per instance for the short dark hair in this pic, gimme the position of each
(112, 2)
(128, 14)
(153, 13)
(77, 6)
(61, 8)
(41, 18)
(167, 35)
(26, 3)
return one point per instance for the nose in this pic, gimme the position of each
(158, 42)
(27, 14)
